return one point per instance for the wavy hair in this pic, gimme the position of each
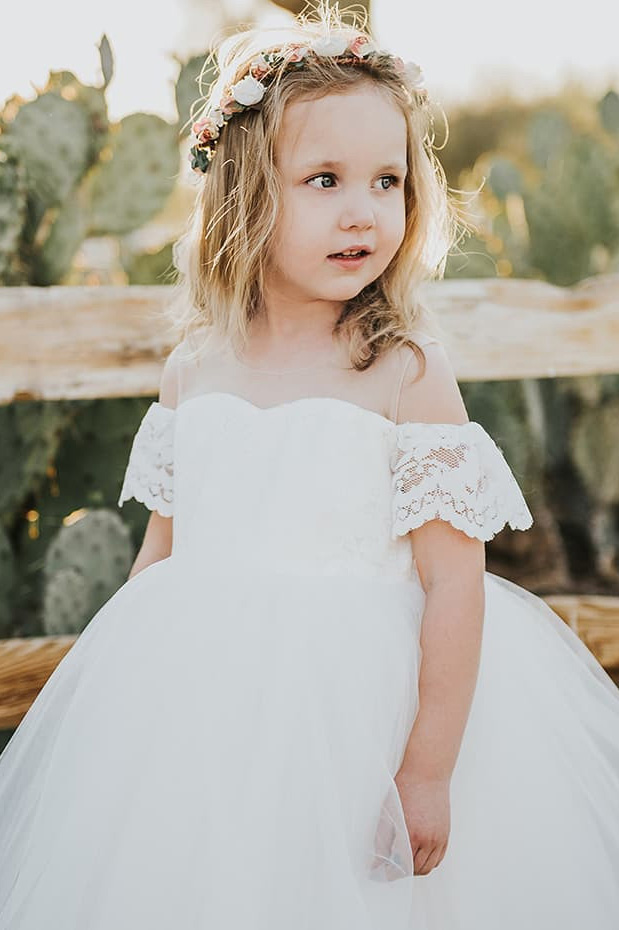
(223, 255)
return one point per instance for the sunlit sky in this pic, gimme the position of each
(530, 47)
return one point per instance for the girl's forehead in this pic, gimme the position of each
(340, 125)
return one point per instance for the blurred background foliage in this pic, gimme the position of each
(85, 200)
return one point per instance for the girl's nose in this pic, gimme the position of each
(358, 213)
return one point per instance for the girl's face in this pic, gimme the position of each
(342, 164)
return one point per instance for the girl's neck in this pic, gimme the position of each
(306, 352)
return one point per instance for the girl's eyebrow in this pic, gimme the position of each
(396, 167)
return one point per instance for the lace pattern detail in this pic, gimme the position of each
(149, 476)
(457, 473)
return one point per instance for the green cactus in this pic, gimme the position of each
(53, 136)
(572, 210)
(505, 177)
(69, 174)
(150, 267)
(595, 450)
(99, 549)
(91, 100)
(7, 582)
(107, 60)
(608, 108)
(31, 433)
(66, 603)
(54, 259)
(192, 84)
(13, 213)
(548, 134)
(132, 185)
(85, 470)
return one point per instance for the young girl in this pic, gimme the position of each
(310, 707)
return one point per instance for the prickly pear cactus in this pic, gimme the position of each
(608, 108)
(548, 133)
(192, 84)
(595, 450)
(13, 208)
(72, 175)
(572, 210)
(53, 137)
(7, 582)
(93, 102)
(84, 471)
(99, 549)
(505, 177)
(54, 259)
(66, 603)
(133, 184)
(31, 433)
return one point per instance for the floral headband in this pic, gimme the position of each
(247, 93)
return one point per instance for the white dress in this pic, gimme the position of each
(217, 750)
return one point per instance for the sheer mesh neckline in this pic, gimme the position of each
(286, 371)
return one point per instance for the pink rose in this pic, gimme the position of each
(297, 53)
(362, 46)
(259, 67)
(199, 126)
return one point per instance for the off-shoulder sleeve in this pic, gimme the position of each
(149, 476)
(457, 473)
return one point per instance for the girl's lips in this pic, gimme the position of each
(349, 261)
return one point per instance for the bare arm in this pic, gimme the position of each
(451, 569)
(157, 542)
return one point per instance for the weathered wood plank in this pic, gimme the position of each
(25, 665)
(595, 618)
(86, 342)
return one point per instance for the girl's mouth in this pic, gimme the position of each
(350, 258)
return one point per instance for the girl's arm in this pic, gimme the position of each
(451, 568)
(157, 541)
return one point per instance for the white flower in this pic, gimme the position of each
(414, 75)
(329, 45)
(248, 91)
(216, 116)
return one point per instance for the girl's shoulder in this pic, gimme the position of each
(425, 385)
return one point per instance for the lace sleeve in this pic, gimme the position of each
(149, 476)
(457, 473)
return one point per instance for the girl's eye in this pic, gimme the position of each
(391, 179)
(322, 177)
(326, 181)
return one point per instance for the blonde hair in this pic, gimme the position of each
(222, 257)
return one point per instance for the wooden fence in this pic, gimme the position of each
(69, 343)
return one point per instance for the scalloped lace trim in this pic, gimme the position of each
(149, 476)
(456, 473)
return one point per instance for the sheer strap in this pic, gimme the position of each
(149, 476)
(421, 339)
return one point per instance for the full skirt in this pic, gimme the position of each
(219, 753)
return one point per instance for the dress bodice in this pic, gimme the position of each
(316, 485)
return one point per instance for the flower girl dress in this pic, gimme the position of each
(217, 751)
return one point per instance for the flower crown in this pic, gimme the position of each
(247, 93)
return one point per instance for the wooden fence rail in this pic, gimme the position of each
(71, 343)
(86, 342)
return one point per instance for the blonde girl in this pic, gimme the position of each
(310, 706)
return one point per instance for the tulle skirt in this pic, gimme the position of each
(219, 753)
